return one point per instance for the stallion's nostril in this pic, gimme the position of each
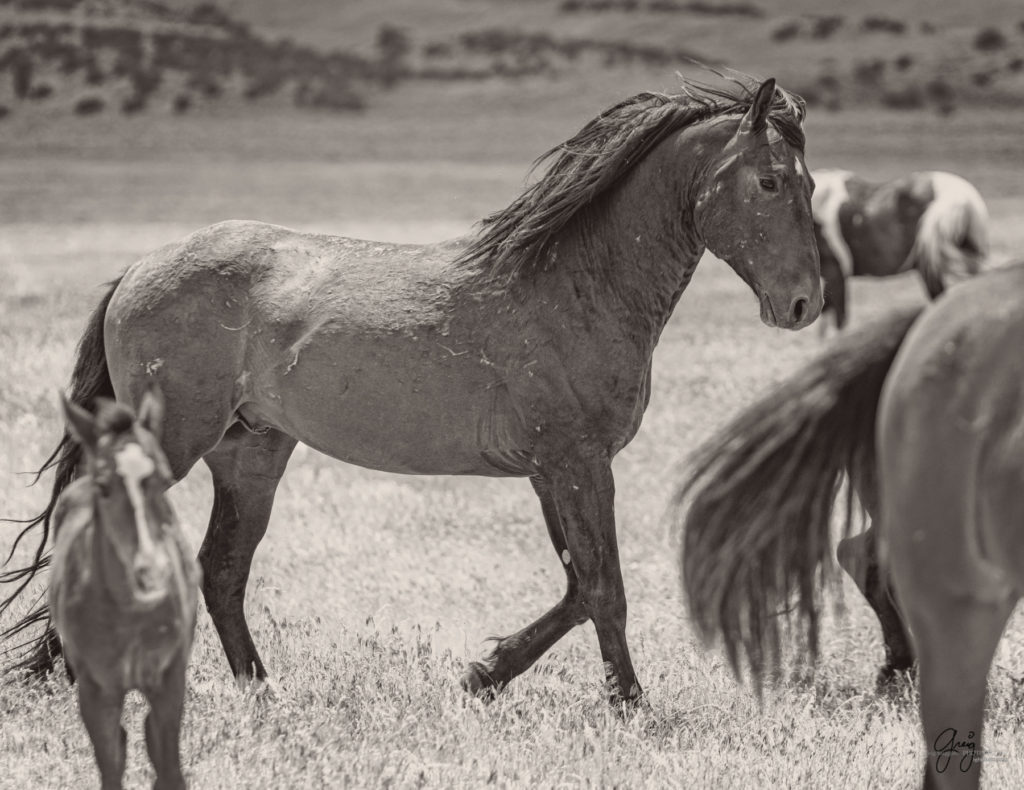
(799, 308)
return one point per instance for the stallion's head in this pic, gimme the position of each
(130, 475)
(753, 210)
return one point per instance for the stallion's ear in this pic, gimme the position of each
(81, 424)
(151, 410)
(754, 121)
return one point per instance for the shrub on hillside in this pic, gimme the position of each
(90, 105)
(904, 62)
(869, 72)
(4, 110)
(989, 39)
(786, 32)
(881, 24)
(133, 104)
(941, 94)
(19, 62)
(41, 91)
(909, 97)
(825, 26)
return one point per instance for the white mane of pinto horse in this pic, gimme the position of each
(933, 222)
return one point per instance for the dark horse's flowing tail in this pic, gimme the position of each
(90, 379)
(759, 499)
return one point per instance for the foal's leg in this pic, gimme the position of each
(101, 713)
(246, 468)
(858, 556)
(515, 654)
(163, 727)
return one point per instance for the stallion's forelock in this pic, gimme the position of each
(515, 239)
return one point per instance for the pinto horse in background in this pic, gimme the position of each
(124, 586)
(924, 411)
(524, 352)
(934, 223)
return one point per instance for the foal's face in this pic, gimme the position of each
(754, 212)
(130, 474)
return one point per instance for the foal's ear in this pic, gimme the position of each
(81, 424)
(757, 115)
(151, 410)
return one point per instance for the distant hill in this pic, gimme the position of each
(129, 56)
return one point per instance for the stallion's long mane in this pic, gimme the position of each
(514, 240)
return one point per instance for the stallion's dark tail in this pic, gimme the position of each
(90, 379)
(757, 505)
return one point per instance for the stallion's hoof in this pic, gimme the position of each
(257, 688)
(478, 682)
(893, 681)
(627, 704)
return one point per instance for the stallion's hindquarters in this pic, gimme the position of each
(951, 456)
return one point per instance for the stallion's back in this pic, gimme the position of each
(951, 439)
(337, 342)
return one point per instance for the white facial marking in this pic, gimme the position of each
(829, 196)
(134, 466)
(565, 557)
(798, 167)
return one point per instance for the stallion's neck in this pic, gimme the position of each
(638, 245)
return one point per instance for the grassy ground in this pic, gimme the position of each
(371, 591)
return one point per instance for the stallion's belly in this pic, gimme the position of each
(398, 405)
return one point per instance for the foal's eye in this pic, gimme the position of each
(768, 183)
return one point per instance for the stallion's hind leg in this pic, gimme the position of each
(101, 713)
(858, 556)
(163, 727)
(515, 654)
(956, 638)
(246, 468)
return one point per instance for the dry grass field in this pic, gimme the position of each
(371, 591)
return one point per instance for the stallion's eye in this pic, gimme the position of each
(767, 182)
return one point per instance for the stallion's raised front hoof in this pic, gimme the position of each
(476, 680)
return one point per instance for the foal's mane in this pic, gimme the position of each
(513, 241)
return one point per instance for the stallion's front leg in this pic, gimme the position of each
(584, 493)
(515, 654)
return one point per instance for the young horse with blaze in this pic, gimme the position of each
(124, 586)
